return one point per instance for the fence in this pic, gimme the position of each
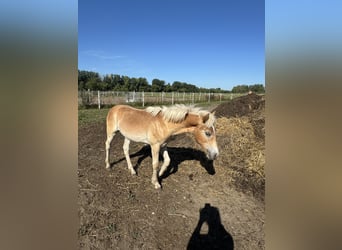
(109, 98)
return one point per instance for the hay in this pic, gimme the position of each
(242, 149)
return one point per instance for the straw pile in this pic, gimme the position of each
(241, 139)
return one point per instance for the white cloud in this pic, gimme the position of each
(101, 55)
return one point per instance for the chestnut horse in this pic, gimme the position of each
(155, 125)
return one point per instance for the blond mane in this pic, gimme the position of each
(177, 113)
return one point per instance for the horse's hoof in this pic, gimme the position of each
(157, 186)
(133, 172)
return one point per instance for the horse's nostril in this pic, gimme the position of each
(212, 156)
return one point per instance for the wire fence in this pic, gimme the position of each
(108, 98)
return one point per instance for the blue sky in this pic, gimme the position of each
(208, 43)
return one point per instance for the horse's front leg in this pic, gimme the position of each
(166, 160)
(155, 163)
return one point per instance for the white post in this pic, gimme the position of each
(209, 97)
(172, 97)
(143, 98)
(220, 96)
(98, 99)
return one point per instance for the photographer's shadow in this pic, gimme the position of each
(216, 237)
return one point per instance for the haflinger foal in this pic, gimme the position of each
(155, 125)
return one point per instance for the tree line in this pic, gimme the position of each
(114, 82)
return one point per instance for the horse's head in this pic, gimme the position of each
(205, 135)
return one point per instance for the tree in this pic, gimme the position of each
(92, 84)
(125, 86)
(92, 80)
(88, 80)
(143, 84)
(158, 85)
(240, 89)
(168, 88)
(257, 88)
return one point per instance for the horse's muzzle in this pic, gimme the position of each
(212, 154)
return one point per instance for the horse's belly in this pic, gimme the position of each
(135, 137)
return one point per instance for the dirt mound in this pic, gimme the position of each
(241, 132)
(240, 106)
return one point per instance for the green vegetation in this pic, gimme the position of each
(113, 82)
(256, 88)
(86, 116)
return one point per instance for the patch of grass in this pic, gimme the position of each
(86, 116)
(131, 196)
(135, 234)
(85, 229)
(111, 228)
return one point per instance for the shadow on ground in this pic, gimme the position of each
(216, 236)
(177, 156)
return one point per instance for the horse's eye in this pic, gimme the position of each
(207, 133)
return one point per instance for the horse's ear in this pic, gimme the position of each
(205, 118)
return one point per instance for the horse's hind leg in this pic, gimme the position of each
(166, 161)
(126, 152)
(107, 143)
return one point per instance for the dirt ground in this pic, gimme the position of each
(202, 204)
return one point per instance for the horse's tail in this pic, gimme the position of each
(111, 127)
(111, 120)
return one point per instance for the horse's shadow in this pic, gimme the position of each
(177, 156)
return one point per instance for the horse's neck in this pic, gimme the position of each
(180, 128)
(186, 126)
(184, 130)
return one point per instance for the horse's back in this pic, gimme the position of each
(131, 122)
(118, 110)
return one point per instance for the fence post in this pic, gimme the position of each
(220, 96)
(143, 99)
(209, 97)
(172, 97)
(98, 99)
